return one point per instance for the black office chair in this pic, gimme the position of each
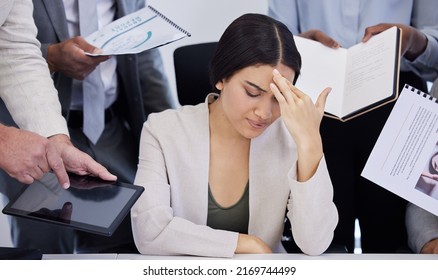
(191, 72)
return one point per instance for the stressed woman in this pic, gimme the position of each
(220, 176)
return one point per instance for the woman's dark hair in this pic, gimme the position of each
(253, 39)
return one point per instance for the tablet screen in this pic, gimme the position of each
(90, 204)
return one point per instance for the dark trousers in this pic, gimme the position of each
(117, 150)
(381, 214)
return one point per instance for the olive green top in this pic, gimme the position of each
(234, 218)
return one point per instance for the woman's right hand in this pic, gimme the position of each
(250, 244)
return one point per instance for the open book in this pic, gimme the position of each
(362, 77)
(139, 31)
(404, 159)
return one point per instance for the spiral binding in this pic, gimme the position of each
(423, 94)
(170, 21)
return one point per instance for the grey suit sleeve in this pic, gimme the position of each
(155, 87)
(44, 48)
(421, 225)
(155, 90)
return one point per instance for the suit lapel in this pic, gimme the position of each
(56, 12)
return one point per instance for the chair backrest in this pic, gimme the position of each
(191, 72)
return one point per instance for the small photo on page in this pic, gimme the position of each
(428, 181)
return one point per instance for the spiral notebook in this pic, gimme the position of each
(404, 159)
(142, 30)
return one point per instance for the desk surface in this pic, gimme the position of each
(266, 266)
(243, 257)
(80, 256)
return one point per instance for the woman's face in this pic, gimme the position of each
(247, 101)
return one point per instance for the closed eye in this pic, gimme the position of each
(251, 94)
(255, 87)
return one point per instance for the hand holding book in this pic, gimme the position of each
(362, 77)
(413, 42)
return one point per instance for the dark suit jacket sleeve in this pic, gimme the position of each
(155, 88)
(156, 93)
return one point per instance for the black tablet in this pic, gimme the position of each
(90, 204)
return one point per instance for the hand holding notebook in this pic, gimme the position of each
(145, 29)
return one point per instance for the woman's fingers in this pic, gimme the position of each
(278, 95)
(288, 90)
(322, 99)
(283, 85)
(295, 90)
(285, 91)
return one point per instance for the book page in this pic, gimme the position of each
(401, 160)
(134, 33)
(322, 67)
(370, 74)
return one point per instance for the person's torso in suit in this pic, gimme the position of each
(51, 22)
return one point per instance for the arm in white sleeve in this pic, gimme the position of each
(25, 84)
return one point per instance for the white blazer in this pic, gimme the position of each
(170, 216)
(25, 83)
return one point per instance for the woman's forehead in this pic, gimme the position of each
(264, 71)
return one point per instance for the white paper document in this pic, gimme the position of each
(362, 77)
(142, 30)
(404, 159)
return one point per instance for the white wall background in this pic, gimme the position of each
(204, 19)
